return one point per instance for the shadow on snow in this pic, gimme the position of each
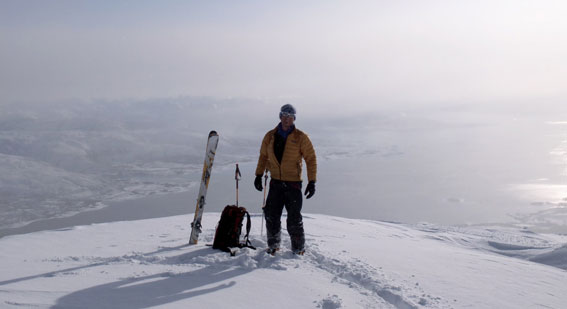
(157, 289)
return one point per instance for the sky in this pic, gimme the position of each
(354, 54)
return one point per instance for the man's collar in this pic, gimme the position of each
(285, 133)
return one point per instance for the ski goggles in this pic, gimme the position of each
(286, 114)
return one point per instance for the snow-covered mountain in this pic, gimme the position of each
(60, 158)
(57, 159)
(446, 164)
(348, 264)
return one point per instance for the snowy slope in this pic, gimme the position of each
(349, 264)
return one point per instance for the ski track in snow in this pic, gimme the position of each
(362, 277)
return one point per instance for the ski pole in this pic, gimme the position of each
(237, 176)
(264, 203)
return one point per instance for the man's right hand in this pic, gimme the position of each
(258, 183)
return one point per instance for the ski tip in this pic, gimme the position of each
(213, 133)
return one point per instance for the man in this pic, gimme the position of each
(281, 153)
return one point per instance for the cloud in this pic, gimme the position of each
(327, 51)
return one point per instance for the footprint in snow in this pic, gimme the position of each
(330, 302)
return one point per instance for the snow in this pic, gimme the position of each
(349, 263)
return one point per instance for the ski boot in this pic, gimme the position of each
(299, 251)
(272, 251)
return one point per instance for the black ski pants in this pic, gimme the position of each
(284, 194)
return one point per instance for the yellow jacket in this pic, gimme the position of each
(297, 147)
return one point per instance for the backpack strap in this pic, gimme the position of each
(247, 242)
(248, 225)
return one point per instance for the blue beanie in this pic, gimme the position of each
(288, 108)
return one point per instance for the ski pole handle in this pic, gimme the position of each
(237, 176)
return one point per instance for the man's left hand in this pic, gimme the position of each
(310, 190)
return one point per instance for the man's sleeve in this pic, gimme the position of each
(263, 159)
(308, 153)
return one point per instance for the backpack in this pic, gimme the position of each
(228, 231)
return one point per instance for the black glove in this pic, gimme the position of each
(258, 183)
(310, 190)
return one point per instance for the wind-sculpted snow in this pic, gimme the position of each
(348, 264)
(505, 240)
(557, 257)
